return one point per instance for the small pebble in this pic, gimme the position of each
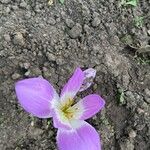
(86, 29)
(27, 73)
(32, 123)
(18, 39)
(7, 37)
(51, 21)
(15, 76)
(8, 10)
(14, 7)
(23, 4)
(96, 21)
(147, 92)
(51, 57)
(132, 134)
(75, 31)
(26, 65)
(140, 111)
(95, 87)
(34, 132)
(148, 32)
(69, 23)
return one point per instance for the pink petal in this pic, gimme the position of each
(89, 75)
(90, 105)
(84, 137)
(35, 96)
(73, 85)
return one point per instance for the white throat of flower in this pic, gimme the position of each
(68, 112)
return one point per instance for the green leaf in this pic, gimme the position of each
(62, 1)
(132, 2)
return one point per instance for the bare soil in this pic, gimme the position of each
(37, 39)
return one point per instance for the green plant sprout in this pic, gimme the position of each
(138, 21)
(121, 96)
(143, 61)
(129, 2)
(61, 1)
(139, 46)
(50, 2)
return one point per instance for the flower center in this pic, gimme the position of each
(67, 109)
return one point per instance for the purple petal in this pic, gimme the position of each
(35, 96)
(83, 138)
(73, 85)
(89, 75)
(62, 122)
(90, 105)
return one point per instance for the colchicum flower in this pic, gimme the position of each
(38, 97)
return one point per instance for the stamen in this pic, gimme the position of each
(67, 109)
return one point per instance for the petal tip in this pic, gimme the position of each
(35, 96)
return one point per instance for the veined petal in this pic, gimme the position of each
(84, 137)
(35, 96)
(73, 85)
(89, 106)
(89, 75)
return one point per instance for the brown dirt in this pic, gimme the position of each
(38, 39)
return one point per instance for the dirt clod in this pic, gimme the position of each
(132, 134)
(6, 1)
(96, 21)
(18, 39)
(75, 31)
(69, 23)
(16, 76)
(126, 145)
(7, 37)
